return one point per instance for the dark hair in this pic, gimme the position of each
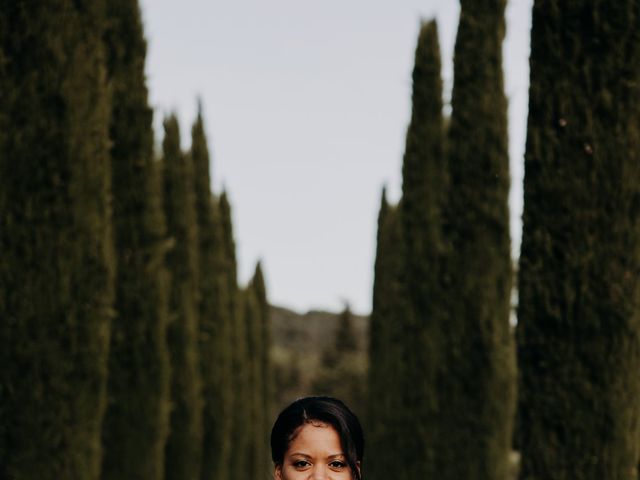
(320, 409)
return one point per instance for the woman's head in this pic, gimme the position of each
(317, 432)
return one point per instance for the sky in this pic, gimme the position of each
(306, 106)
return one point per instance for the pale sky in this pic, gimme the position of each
(306, 107)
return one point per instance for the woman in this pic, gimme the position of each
(317, 438)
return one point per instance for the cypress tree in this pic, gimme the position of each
(579, 317)
(378, 395)
(136, 423)
(405, 326)
(424, 182)
(344, 344)
(424, 174)
(265, 367)
(345, 336)
(57, 268)
(255, 463)
(386, 416)
(342, 372)
(213, 312)
(476, 368)
(240, 366)
(184, 445)
(260, 289)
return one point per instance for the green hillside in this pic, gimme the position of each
(299, 342)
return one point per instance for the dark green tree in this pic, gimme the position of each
(386, 417)
(214, 323)
(137, 420)
(346, 341)
(579, 318)
(409, 296)
(265, 370)
(476, 365)
(424, 191)
(378, 393)
(255, 463)
(57, 266)
(342, 371)
(184, 445)
(259, 287)
(240, 365)
(424, 175)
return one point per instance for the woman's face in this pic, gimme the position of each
(315, 453)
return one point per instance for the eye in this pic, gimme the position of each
(338, 465)
(301, 464)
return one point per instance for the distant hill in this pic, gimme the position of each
(311, 331)
(298, 343)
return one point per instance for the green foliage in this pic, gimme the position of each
(342, 371)
(240, 417)
(579, 322)
(57, 268)
(424, 191)
(258, 286)
(255, 463)
(344, 343)
(477, 381)
(136, 423)
(442, 363)
(229, 249)
(409, 303)
(162, 267)
(287, 373)
(299, 342)
(345, 336)
(263, 385)
(424, 173)
(379, 396)
(184, 445)
(214, 324)
(387, 419)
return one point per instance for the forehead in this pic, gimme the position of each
(316, 439)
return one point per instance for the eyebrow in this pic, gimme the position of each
(300, 454)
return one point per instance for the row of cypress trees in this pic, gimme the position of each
(442, 372)
(127, 348)
(440, 320)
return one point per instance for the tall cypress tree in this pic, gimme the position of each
(266, 393)
(255, 463)
(476, 375)
(240, 366)
(424, 182)
(258, 285)
(340, 360)
(56, 272)
(377, 394)
(579, 317)
(136, 423)
(213, 311)
(184, 445)
(387, 416)
(424, 174)
(405, 326)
